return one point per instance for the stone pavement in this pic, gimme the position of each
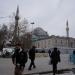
(42, 66)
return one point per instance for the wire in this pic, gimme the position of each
(5, 17)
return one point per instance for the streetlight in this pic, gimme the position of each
(32, 25)
(32, 31)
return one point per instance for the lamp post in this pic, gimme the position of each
(32, 32)
(32, 25)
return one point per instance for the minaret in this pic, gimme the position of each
(16, 21)
(67, 29)
(16, 29)
(67, 33)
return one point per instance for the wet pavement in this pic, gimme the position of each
(42, 67)
(63, 71)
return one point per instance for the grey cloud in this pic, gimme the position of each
(51, 15)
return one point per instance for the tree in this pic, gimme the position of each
(3, 35)
(26, 40)
(23, 26)
(24, 34)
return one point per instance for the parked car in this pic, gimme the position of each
(7, 52)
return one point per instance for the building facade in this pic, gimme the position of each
(55, 41)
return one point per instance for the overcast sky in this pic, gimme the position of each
(51, 15)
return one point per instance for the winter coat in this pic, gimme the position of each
(32, 54)
(55, 57)
(20, 56)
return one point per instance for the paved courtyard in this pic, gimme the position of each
(42, 66)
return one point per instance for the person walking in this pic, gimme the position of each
(49, 52)
(32, 57)
(55, 59)
(72, 57)
(19, 59)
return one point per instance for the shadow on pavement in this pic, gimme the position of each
(62, 71)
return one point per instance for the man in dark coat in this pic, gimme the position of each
(49, 52)
(19, 59)
(32, 57)
(55, 59)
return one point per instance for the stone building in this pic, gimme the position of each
(55, 41)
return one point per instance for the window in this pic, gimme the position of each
(61, 42)
(38, 44)
(56, 41)
(71, 44)
(48, 42)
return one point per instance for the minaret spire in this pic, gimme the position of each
(16, 30)
(17, 14)
(67, 29)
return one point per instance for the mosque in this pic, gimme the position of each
(56, 41)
